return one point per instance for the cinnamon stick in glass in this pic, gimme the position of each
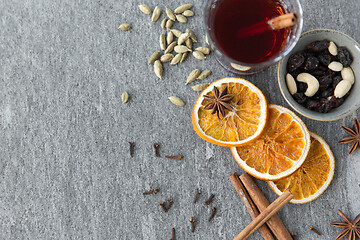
(277, 23)
(274, 223)
(265, 215)
(249, 204)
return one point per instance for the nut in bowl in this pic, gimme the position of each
(319, 77)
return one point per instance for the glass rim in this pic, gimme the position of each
(269, 62)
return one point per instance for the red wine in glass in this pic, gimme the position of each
(233, 16)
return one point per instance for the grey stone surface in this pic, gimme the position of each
(64, 166)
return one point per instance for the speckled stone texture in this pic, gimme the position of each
(65, 172)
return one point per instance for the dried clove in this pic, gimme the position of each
(156, 149)
(131, 148)
(312, 228)
(196, 195)
(213, 211)
(152, 191)
(293, 235)
(178, 157)
(192, 220)
(172, 234)
(207, 202)
(162, 205)
(169, 203)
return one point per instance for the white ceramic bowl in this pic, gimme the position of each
(352, 102)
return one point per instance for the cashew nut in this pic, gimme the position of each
(348, 74)
(291, 84)
(342, 88)
(311, 81)
(335, 66)
(333, 49)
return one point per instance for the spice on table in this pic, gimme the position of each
(251, 207)
(131, 149)
(213, 211)
(158, 69)
(156, 14)
(155, 56)
(204, 74)
(178, 157)
(172, 234)
(163, 207)
(200, 87)
(260, 201)
(293, 235)
(192, 222)
(169, 204)
(177, 101)
(312, 228)
(354, 138)
(125, 27)
(219, 102)
(264, 216)
(152, 191)
(182, 8)
(124, 97)
(193, 76)
(170, 14)
(207, 202)
(144, 8)
(156, 149)
(163, 23)
(350, 227)
(192, 35)
(196, 195)
(188, 13)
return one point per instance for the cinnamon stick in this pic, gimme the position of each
(265, 215)
(274, 223)
(283, 21)
(249, 204)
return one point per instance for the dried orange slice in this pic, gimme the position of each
(279, 151)
(242, 125)
(313, 177)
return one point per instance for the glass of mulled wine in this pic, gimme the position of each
(243, 53)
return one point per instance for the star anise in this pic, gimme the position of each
(354, 138)
(219, 102)
(351, 228)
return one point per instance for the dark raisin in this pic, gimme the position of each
(313, 105)
(324, 107)
(327, 92)
(309, 54)
(311, 63)
(318, 46)
(317, 96)
(325, 59)
(323, 100)
(317, 72)
(336, 102)
(322, 68)
(301, 86)
(327, 106)
(300, 97)
(325, 82)
(295, 61)
(335, 58)
(344, 56)
(330, 72)
(336, 80)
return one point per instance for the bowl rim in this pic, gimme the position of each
(282, 90)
